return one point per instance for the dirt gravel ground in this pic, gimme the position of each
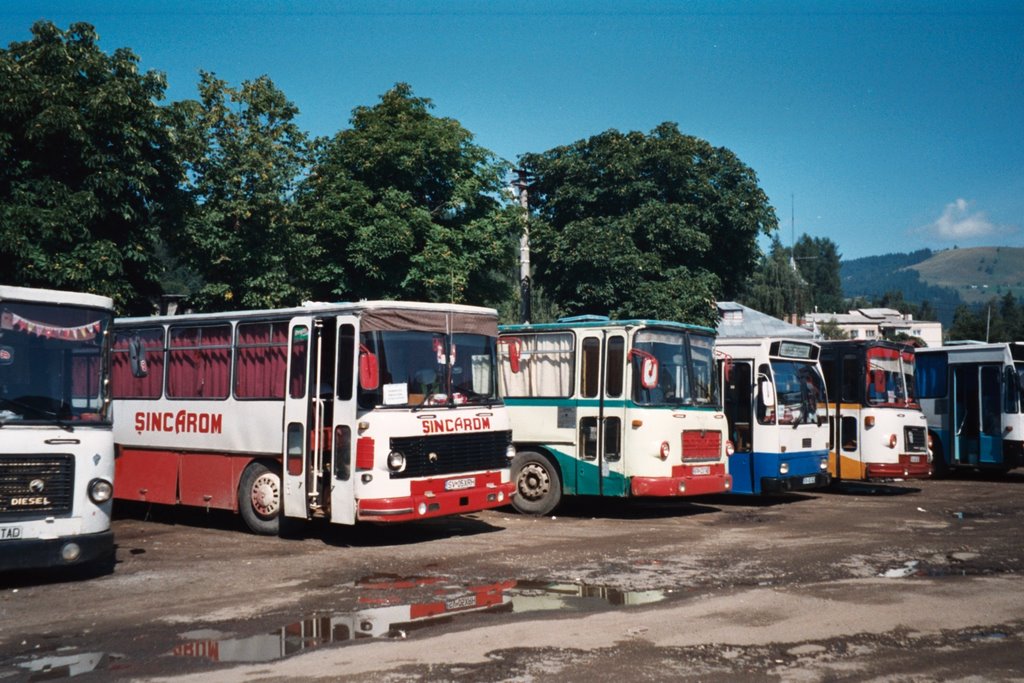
(901, 581)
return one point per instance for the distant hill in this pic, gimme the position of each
(977, 274)
(944, 278)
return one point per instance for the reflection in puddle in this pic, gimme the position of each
(63, 666)
(384, 619)
(388, 607)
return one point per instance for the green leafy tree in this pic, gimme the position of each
(967, 324)
(405, 205)
(658, 225)
(831, 329)
(776, 287)
(90, 172)
(817, 259)
(240, 239)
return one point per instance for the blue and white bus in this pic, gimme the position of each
(612, 408)
(973, 397)
(775, 401)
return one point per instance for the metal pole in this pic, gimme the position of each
(525, 311)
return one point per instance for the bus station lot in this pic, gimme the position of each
(900, 581)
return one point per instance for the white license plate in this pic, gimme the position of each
(463, 602)
(10, 533)
(701, 470)
(810, 480)
(459, 484)
(915, 458)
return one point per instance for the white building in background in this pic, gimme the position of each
(878, 323)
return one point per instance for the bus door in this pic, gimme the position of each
(304, 345)
(738, 384)
(600, 410)
(848, 404)
(343, 496)
(965, 414)
(990, 447)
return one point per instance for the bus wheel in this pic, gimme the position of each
(538, 486)
(259, 498)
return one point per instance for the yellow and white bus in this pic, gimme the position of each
(612, 408)
(877, 427)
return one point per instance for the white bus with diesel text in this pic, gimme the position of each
(378, 411)
(56, 444)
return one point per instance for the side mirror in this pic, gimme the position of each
(767, 393)
(879, 378)
(648, 369)
(137, 357)
(515, 352)
(369, 369)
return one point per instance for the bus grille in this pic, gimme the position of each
(34, 485)
(916, 439)
(702, 444)
(452, 453)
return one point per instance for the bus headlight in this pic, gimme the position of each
(892, 441)
(664, 450)
(396, 461)
(784, 468)
(823, 465)
(510, 451)
(100, 491)
(729, 448)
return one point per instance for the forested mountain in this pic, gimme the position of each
(945, 279)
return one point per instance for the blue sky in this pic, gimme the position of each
(883, 126)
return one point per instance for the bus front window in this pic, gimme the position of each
(799, 391)
(890, 378)
(51, 363)
(685, 368)
(419, 368)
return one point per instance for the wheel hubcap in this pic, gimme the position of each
(534, 482)
(266, 495)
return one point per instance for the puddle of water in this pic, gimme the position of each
(389, 607)
(63, 666)
(387, 615)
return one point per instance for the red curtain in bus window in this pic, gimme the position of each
(124, 384)
(260, 360)
(199, 362)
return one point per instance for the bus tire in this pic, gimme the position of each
(940, 468)
(259, 498)
(538, 484)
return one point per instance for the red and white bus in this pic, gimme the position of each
(382, 411)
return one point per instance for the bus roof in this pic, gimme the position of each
(602, 322)
(54, 296)
(314, 307)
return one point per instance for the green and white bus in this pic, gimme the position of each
(604, 407)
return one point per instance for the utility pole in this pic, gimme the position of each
(522, 183)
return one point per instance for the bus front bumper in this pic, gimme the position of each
(910, 466)
(795, 482)
(684, 482)
(37, 553)
(426, 502)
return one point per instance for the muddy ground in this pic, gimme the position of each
(903, 581)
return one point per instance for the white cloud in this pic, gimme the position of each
(960, 221)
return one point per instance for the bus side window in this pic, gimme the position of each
(591, 371)
(848, 437)
(850, 391)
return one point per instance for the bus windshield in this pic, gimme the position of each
(890, 378)
(799, 388)
(51, 364)
(685, 368)
(419, 368)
